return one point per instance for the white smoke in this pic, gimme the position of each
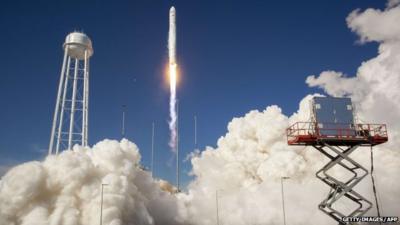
(66, 189)
(246, 166)
(172, 123)
(244, 170)
(376, 87)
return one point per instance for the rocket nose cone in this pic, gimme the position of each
(172, 10)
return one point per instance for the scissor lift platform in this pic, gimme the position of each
(334, 133)
(309, 134)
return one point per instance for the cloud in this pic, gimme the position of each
(246, 167)
(3, 169)
(393, 3)
(6, 164)
(66, 189)
(249, 160)
(375, 87)
(375, 24)
(335, 83)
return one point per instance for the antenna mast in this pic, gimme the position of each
(123, 121)
(152, 150)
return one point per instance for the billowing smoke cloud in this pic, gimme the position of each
(66, 189)
(248, 162)
(244, 170)
(376, 86)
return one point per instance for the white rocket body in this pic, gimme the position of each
(172, 36)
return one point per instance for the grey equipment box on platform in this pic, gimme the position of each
(334, 116)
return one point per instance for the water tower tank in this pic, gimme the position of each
(76, 43)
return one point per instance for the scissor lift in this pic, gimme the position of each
(333, 132)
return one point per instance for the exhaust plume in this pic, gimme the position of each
(172, 79)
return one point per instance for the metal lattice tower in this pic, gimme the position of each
(70, 122)
(334, 132)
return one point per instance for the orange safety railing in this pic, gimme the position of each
(301, 128)
(314, 130)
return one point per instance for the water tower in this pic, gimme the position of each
(70, 122)
(333, 131)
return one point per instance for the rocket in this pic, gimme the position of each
(173, 143)
(172, 36)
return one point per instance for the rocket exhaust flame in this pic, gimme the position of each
(172, 79)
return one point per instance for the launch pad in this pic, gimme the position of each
(333, 132)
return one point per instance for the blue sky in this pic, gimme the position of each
(234, 56)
